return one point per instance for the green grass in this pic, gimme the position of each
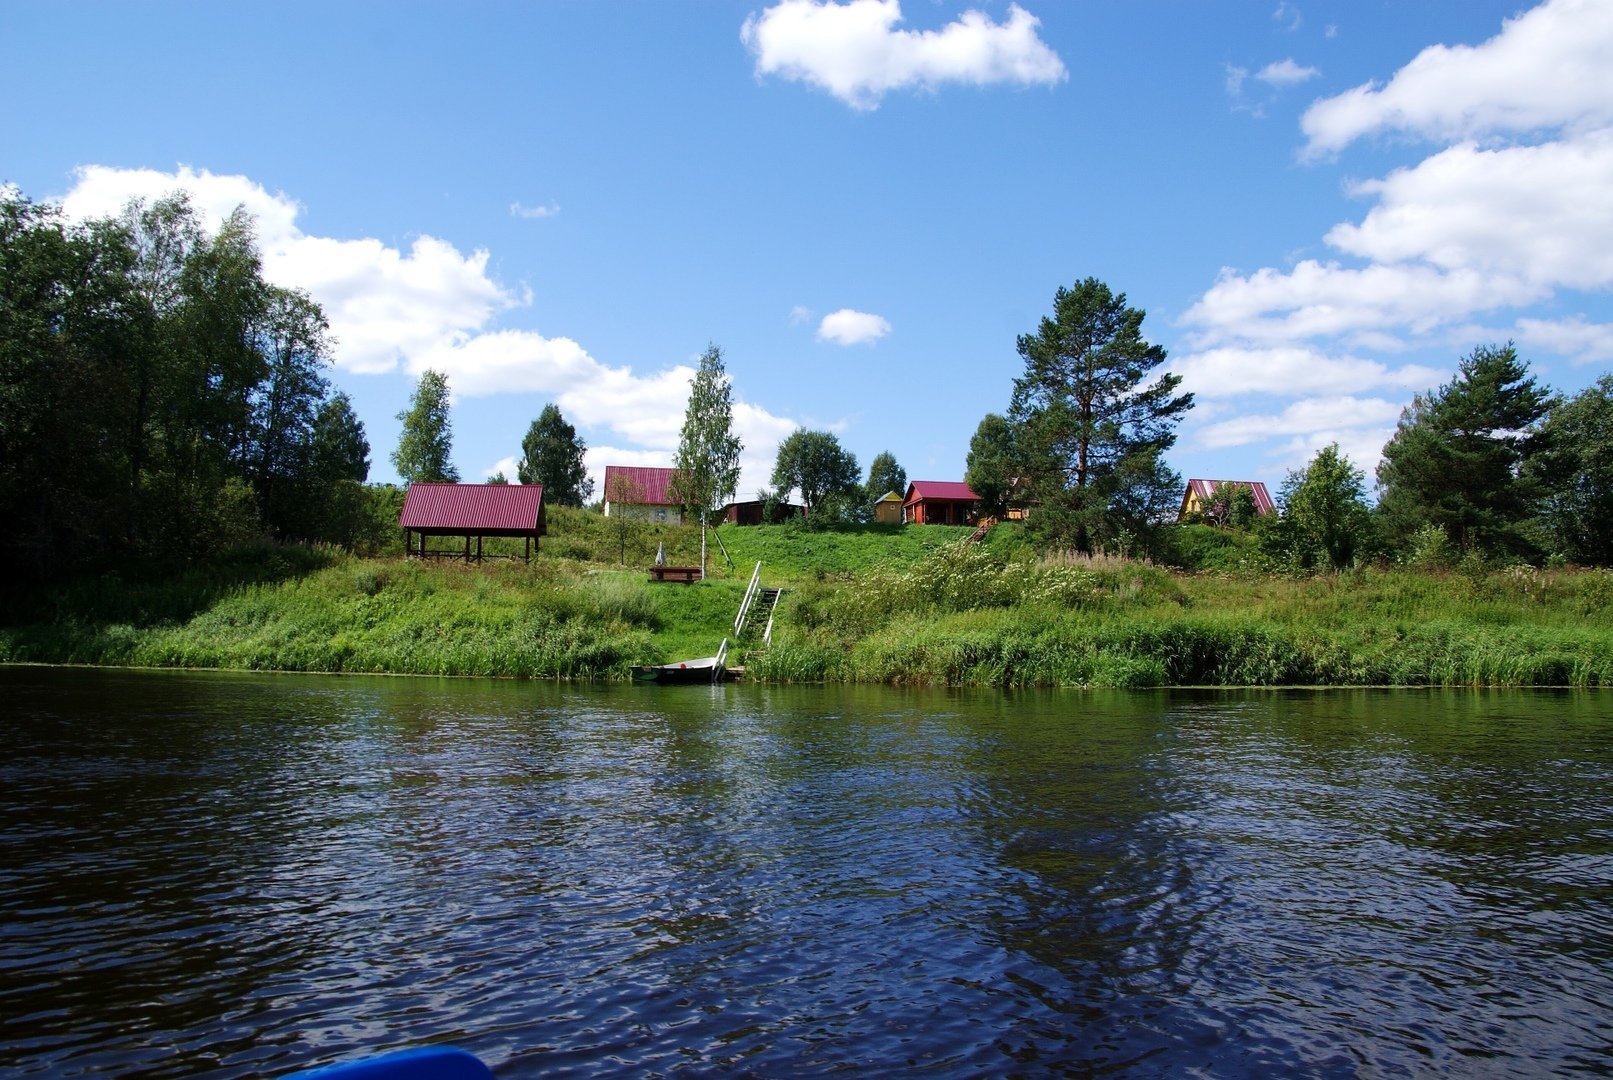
(873, 604)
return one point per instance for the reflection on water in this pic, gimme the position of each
(244, 875)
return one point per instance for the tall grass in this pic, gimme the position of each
(935, 611)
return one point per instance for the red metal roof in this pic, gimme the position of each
(472, 507)
(650, 486)
(939, 490)
(1205, 490)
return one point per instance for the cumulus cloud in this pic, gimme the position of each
(1290, 370)
(1539, 213)
(848, 327)
(1326, 299)
(384, 304)
(857, 52)
(1507, 217)
(432, 306)
(1285, 73)
(1584, 342)
(1546, 69)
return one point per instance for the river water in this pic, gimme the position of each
(242, 875)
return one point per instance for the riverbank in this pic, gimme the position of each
(933, 611)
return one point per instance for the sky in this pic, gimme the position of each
(1321, 206)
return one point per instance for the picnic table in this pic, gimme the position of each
(688, 575)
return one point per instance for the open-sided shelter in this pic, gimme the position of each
(473, 511)
(940, 502)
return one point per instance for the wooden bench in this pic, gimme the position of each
(688, 575)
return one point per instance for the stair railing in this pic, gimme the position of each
(750, 596)
(767, 635)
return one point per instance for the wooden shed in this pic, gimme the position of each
(473, 511)
(940, 502)
(888, 508)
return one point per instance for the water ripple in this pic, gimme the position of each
(239, 876)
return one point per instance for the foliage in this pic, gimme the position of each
(991, 466)
(426, 440)
(1087, 431)
(1325, 519)
(552, 455)
(157, 396)
(1575, 467)
(884, 476)
(813, 463)
(706, 466)
(1459, 458)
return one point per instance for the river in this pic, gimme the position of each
(236, 875)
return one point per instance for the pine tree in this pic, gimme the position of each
(1088, 431)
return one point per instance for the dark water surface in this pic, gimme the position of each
(238, 875)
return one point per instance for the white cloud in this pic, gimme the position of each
(1235, 79)
(856, 52)
(1584, 342)
(431, 307)
(1288, 15)
(1547, 68)
(1290, 370)
(1325, 299)
(848, 327)
(1285, 73)
(383, 304)
(509, 466)
(520, 210)
(800, 314)
(1537, 213)
(1320, 417)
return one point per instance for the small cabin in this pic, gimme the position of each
(754, 511)
(1207, 499)
(940, 502)
(643, 492)
(472, 511)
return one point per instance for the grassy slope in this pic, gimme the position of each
(873, 604)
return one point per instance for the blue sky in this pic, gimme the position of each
(1321, 206)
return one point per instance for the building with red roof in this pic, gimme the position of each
(940, 502)
(642, 491)
(473, 511)
(1204, 497)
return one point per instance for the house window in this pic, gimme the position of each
(660, 515)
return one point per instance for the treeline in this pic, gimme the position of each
(159, 398)
(1492, 466)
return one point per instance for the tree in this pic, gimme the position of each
(621, 490)
(340, 450)
(426, 439)
(1459, 457)
(552, 455)
(1086, 428)
(884, 476)
(705, 471)
(990, 468)
(1325, 517)
(292, 338)
(1574, 465)
(813, 463)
